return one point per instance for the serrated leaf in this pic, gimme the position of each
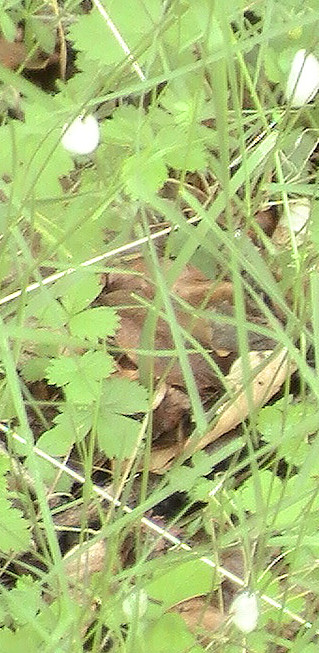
(86, 35)
(14, 529)
(47, 310)
(72, 425)
(35, 369)
(143, 174)
(62, 370)
(278, 504)
(33, 155)
(97, 364)
(184, 478)
(94, 323)
(81, 375)
(124, 396)
(43, 33)
(126, 125)
(24, 600)
(183, 151)
(117, 435)
(74, 229)
(79, 290)
(287, 428)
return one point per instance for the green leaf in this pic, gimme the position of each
(271, 65)
(94, 323)
(72, 425)
(183, 478)
(134, 20)
(62, 370)
(81, 375)
(279, 504)
(124, 396)
(183, 151)
(46, 309)
(35, 368)
(271, 492)
(52, 476)
(33, 155)
(14, 528)
(170, 633)
(78, 290)
(178, 581)
(23, 601)
(19, 640)
(126, 125)
(288, 426)
(73, 230)
(314, 225)
(7, 26)
(143, 174)
(43, 33)
(117, 435)
(184, 30)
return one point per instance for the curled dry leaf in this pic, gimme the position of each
(132, 293)
(296, 223)
(265, 383)
(80, 566)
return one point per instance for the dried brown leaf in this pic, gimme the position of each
(266, 383)
(200, 616)
(79, 566)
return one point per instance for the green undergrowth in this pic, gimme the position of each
(194, 123)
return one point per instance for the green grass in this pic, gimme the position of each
(250, 502)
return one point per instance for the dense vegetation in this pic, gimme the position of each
(159, 328)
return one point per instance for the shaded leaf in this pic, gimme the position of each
(117, 435)
(185, 477)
